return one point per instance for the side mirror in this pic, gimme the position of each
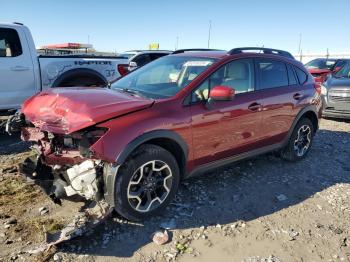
(132, 66)
(220, 93)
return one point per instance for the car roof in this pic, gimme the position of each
(222, 54)
(204, 54)
(148, 51)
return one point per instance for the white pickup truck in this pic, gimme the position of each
(23, 73)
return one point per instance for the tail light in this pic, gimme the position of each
(123, 69)
(317, 86)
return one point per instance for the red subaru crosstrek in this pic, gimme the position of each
(186, 113)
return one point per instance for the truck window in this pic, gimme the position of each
(10, 45)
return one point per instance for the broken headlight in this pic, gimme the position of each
(88, 138)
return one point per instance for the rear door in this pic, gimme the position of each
(16, 69)
(229, 127)
(281, 96)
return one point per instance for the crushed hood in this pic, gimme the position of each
(66, 110)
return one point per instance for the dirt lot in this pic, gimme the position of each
(263, 209)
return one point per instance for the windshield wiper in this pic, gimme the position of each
(131, 91)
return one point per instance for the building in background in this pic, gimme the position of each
(71, 49)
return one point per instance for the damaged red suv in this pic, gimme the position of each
(189, 112)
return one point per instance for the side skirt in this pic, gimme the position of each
(222, 162)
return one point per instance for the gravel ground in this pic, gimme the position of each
(262, 209)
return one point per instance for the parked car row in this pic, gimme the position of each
(334, 76)
(321, 68)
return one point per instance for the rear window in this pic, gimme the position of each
(302, 76)
(10, 45)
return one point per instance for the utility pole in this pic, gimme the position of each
(177, 43)
(299, 48)
(209, 34)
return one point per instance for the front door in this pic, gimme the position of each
(229, 127)
(16, 69)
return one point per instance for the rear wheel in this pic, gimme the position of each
(300, 141)
(146, 183)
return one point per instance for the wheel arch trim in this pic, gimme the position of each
(156, 134)
(79, 71)
(300, 115)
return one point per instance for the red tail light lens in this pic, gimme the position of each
(318, 87)
(123, 69)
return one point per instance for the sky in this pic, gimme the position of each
(112, 25)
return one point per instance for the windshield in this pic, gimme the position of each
(344, 72)
(163, 77)
(320, 64)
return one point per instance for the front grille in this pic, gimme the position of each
(339, 95)
(340, 99)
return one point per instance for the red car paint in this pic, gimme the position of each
(247, 122)
(320, 75)
(66, 110)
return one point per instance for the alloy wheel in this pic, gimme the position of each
(149, 186)
(303, 140)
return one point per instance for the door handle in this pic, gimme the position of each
(297, 96)
(254, 107)
(19, 68)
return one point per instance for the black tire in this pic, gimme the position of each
(289, 153)
(144, 154)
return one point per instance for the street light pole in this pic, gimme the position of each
(209, 33)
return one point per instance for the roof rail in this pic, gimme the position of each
(179, 51)
(263, 50)
(18, 23)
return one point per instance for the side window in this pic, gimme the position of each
(272, 73)
(10, 45)
(238, 74)
(291, 76)
(156, 56)
(301, 75)
(142, 60)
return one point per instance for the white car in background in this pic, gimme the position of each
(138, 58)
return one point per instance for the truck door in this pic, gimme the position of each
(17, 81)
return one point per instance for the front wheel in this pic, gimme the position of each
(146, 183)
(300, 141)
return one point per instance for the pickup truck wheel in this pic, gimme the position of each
(300, 141)
(146, 183)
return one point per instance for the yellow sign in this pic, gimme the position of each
(153, 46)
